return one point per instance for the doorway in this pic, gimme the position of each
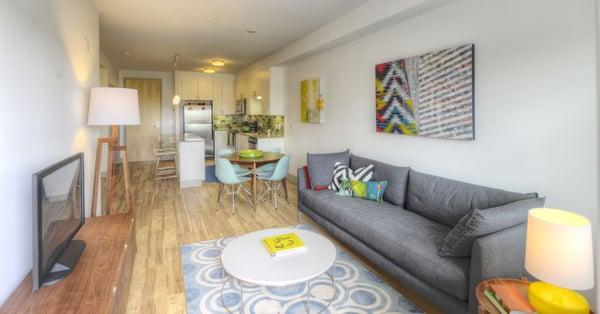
(141, 138)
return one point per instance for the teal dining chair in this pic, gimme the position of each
(275, 178)
(270, 166)
(238, 170)
(231, 182)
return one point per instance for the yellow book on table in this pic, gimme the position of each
(283, 244)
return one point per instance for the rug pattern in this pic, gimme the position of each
(209, 174)
(357, 289)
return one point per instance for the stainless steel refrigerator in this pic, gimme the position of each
(197, 117)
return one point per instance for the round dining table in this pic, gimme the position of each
(252, 164)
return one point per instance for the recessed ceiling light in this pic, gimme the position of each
(218, 63)
(208, 70)
(250, 31)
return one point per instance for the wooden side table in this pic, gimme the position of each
(484, 306)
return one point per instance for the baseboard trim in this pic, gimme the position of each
(292, 178)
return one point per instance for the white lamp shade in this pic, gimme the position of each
(113, 106)
(559, 248)
(176, 100)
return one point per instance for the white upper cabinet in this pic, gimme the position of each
(189, 89)
(205, 88)
(201, 86)
(218, 97)
(223, 101)
(263, 90)
(228, 98)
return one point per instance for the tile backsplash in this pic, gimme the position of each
(225, 122)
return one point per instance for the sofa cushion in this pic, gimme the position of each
(320, 166)
(447, 201)
(407, 239)
(395, 176)
(478, 223)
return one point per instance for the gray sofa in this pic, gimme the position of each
(402, 234)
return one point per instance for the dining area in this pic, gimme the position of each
(252, 176)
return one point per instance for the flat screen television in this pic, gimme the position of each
(58, 213)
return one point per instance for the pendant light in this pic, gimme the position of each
(176, 98)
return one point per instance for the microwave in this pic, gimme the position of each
(240, 106)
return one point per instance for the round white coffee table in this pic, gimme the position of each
(246, 259)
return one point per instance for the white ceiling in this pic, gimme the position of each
(151, 31)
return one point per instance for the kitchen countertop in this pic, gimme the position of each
(260, 136)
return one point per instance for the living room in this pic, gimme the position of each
(532, 117)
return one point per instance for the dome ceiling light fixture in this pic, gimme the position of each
(208, 70)
(217, 63)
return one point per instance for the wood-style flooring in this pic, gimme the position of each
(167, 217)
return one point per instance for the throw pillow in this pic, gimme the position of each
(343, 172)
(345, 188)
(307, 177)
(478, 223)
(320, 166)
(340, 172)
(370, 190)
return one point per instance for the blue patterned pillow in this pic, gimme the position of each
(345, 188)
(369, 190)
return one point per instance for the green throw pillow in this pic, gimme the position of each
(370, 190)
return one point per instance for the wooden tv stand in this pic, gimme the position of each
(100, 281)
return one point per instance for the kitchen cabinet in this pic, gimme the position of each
(189, 90)
(218, 97)
(190, 163)
(241, 142)
(268, 84)
(201, 86)
(200, 89)
(205, 88)
(223, 100)
(271, 144)
(220, 141)
(228, 97)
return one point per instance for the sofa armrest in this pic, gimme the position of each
(500, 254)
(300, 179)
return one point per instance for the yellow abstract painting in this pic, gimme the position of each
(311, 101)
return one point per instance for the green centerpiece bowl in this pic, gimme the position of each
(251, 153)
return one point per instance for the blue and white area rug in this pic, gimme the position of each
(357, 289)
(209, 174)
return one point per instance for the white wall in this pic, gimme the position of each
(536, 114)
(49, 58)
(167, 115)
(111, 71)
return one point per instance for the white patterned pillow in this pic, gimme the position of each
(342, 172)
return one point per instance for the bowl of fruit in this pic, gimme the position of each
(251, 153)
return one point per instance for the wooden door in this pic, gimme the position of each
(205, 88)
(141, 138)
(218, 97)
(189, 90)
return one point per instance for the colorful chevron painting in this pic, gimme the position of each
(430, 95)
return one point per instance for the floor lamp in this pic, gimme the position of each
(111, 106)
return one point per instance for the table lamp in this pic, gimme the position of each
(559, 252)
(111, 106)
